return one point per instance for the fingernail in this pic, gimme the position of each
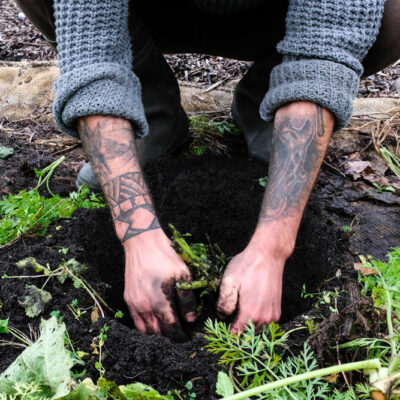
(190, 316)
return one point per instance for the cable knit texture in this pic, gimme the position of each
(325, 42)
(95, 58)
(324, 45)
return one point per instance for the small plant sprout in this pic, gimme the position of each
(263, 181)
(206, 274)
(71, 269)
(75, 309)
(6, 329)
(98, 344)
(119, 314)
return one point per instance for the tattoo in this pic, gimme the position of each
(105, 149)
(131, 204)
(295, 159)
(127, 194)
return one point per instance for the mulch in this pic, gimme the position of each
(19, 41)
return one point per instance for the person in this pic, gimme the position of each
(117, 93)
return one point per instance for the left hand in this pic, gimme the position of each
(252, 283)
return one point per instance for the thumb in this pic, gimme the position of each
(228, 298)
(187, 302)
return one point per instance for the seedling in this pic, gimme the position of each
(71, 269)
(263, 181)
(76, 310)
(98, 346)
(22, 338)
(119, 314)
(206, 274)
(326, 297)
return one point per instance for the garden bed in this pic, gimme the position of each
(216, 197)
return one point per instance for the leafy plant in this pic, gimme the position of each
(258, 365)
(76, 310)
(43, 372)
(6, 151)
(198, 256)
(29, 213)
(34, 301)
(71, 269)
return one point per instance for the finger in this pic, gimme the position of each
(187, 302)
(228, 299)
(170, 325)
(151, 323)
(139, 324)
(239, 325)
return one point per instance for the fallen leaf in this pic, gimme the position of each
(364, 270)
(94, 316)
(331, 378)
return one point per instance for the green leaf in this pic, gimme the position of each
(4, 326)
(35, 300)
(6, 151)
(140, 391)
(30, 261)
(224, 385)
(45, 363)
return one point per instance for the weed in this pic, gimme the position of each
(100, 340)
(43, 372)
(71, 269)
(263, 181)
(381, 189)
(29, 213)
(326, 297)
(6, 151)
(76, 310)
(391, 160)
(119, 314)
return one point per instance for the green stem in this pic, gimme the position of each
(195, 285)
(367, 364)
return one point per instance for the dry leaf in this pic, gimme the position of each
(94, 316)
(364, 270)
(331, 378)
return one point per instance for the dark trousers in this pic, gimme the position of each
(160, 27)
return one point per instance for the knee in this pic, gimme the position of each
(386, 49)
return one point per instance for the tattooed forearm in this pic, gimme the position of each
(297, 154)
(130, 205)
(112, 152)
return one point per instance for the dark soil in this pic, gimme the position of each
(215, 197)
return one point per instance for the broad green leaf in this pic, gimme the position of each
(35, 300)
(4, 326)
(45, 363)
(224, 385)
(141, 391)
(6, 151)
(30, 261)
(86, 390)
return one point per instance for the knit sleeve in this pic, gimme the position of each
(95, 58)
(324, 45)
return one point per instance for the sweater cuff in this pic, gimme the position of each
(329, 84)
(99, 89)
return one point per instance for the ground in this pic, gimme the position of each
(216, 197)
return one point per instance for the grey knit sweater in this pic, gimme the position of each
(325, 42)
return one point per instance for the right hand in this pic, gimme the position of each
(152, 268)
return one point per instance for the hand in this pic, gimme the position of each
(152, 269)
(252, 284)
